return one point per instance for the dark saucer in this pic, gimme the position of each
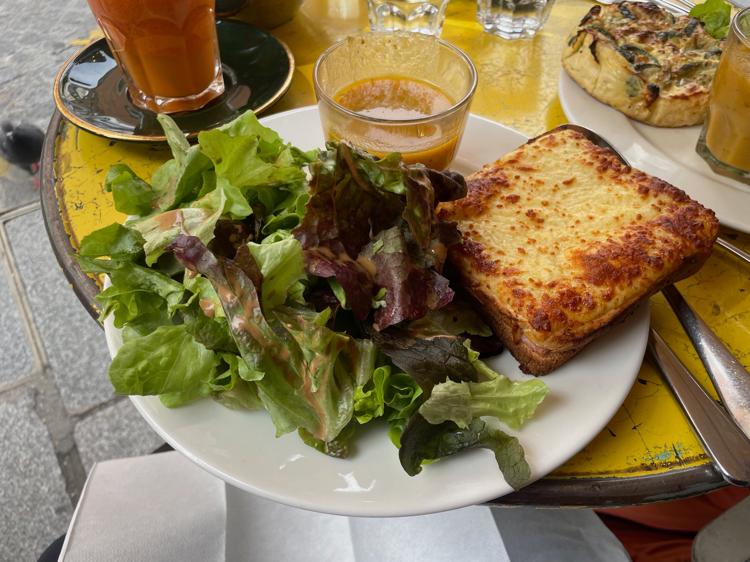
(90, 88)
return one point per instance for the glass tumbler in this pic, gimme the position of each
(407, 15)
(431, 140)
(168, 50)
(724, 142)
(513, 19)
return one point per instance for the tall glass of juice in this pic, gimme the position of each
(168, 50)
(725, 140)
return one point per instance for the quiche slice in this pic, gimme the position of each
(645, 62)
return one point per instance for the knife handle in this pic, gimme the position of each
(722, 439)
(731, 379)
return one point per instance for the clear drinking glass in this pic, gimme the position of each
(431, 140)
(407, 15)
(513, 19)
(724, 142)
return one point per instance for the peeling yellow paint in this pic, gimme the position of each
(94, 35)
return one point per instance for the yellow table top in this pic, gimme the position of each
(517, 87)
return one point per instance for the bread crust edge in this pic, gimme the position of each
(537, 360)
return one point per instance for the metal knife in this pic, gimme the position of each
(731, 379)
(722, 439)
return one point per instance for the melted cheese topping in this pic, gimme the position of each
(563, 237)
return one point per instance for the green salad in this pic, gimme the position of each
(306, 283)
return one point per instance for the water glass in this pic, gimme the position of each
(407, 15)
(724, 142)
(513, 19)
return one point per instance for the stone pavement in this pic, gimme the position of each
(58, 415)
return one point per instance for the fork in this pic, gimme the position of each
(678, 6)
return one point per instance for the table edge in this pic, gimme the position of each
(84, 286)
(615, 491)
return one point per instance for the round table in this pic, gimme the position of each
(647, 452)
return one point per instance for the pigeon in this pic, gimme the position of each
(21, 145)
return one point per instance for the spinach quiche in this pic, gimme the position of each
(645, 62)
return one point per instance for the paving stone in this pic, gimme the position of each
(114, 432)
(74, 342)
(36, 40)
(17, 186)
(35, 508)
(16, 357)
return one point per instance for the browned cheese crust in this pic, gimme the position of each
(561, 240)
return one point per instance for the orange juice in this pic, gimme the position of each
(728, 125)
(396, 99)
(167, 48)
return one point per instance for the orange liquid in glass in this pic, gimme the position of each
(168, 48)
(728, 127)
(398, 98)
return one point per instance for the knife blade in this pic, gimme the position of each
(723, 441)
(731, 379)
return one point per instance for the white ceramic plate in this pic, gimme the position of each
(668, 153)
(240, 447)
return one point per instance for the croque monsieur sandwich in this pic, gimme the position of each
(560, 240)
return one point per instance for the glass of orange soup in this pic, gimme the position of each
(396, 92)
(725, 139)
(168, 50)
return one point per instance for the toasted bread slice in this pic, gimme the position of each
(561, 239)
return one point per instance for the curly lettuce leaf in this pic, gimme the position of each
(458, 388)
(242, 162)
(338, 448)
(460, 402)
(199, 219)
(394, 395)
(169, 361)
(282, 266)
(226, 197)
(715, 15)
(114, 241)
(131, 194)
(370, 224)
(181, 178)
(423, 441)
(213, 332)
(309, 371)
(205, 294)
(453, 319)
(234, 387)
(127, 304)
(413, 287)
(429, 360)
(511, 402)
(135, 290)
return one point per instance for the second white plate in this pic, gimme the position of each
(668, 153)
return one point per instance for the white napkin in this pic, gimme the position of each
(164, 508)
(264, 531)
(154, 508)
